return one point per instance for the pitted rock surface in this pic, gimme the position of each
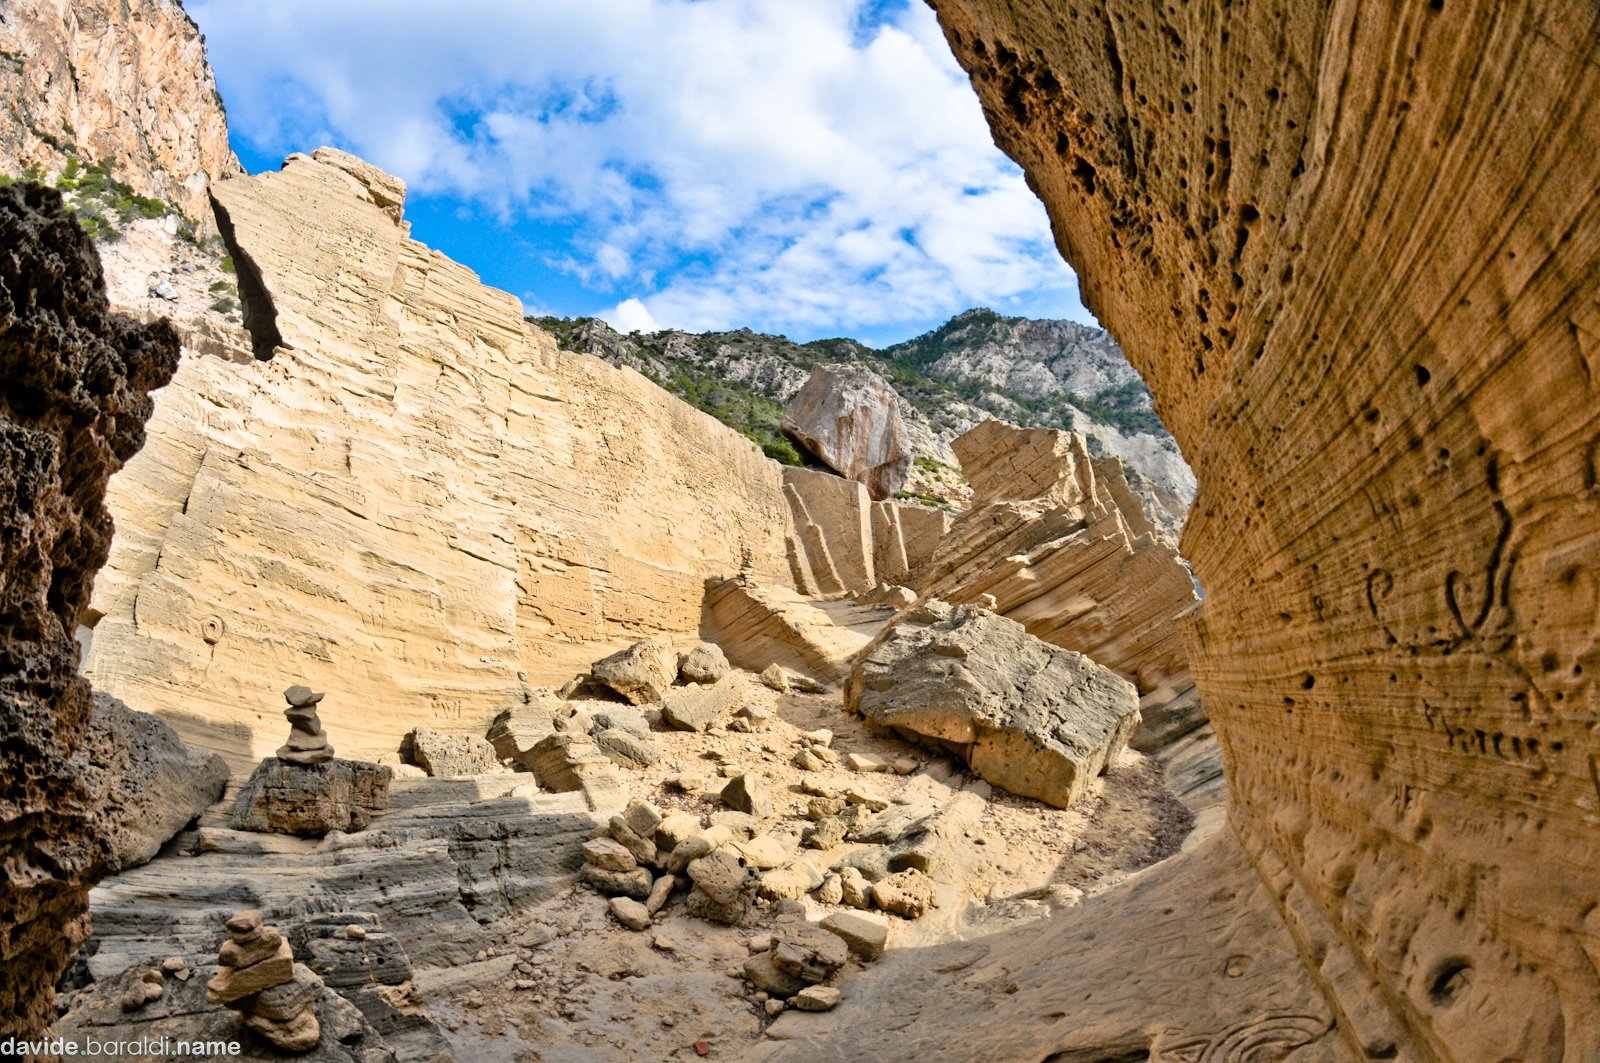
(74, 380)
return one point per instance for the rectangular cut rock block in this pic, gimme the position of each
(922, 529)
(842, 509)
(759, 625)
(1030, 717)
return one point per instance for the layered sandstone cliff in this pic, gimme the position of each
(125, 80)
(1055, 536)
(1353, 250)
(413, 500)
(73, 403)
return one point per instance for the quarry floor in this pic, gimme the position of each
(563, 981)
(603, 992)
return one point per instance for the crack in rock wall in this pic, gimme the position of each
(416, 502)
(1353, 249)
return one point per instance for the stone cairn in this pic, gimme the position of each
(307, 744)
(258, 978)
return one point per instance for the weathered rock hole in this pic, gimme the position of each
(1450, 983)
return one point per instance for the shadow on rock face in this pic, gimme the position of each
(74, 380)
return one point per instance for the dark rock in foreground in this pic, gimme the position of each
(74, 383)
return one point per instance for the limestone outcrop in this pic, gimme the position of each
(849, 417)
(74, 380)
(1352, 250)
(126, 81)
(1030, 717)
(147, 785)
(1063, 547)
(415, 502)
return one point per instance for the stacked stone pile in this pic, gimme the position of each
(305, 789)
(307, 743)
(259, 979)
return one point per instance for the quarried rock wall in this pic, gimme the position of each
(73, 403)
(1355, 251)
(413, 501)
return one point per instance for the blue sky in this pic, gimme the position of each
(807, 167)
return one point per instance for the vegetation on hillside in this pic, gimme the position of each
(772, 367)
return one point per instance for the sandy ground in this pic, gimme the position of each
(600, 992)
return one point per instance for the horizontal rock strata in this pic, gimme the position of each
(1353, 252)
(415, 499)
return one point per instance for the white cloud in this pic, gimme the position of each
(719, 162)
(630, 315)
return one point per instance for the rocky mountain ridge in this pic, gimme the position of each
(979, 364)
(117, 93)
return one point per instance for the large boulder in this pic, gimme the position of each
(642, 673)
(849, 417)
(74, 383)
(1035, 719)
(285, 798)
(147, 783)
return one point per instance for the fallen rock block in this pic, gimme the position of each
(721, 874)
(817, 998)
(515, 732)
(789, 883)
(865, 936)
(1034, 719)
(831, 891)
(622, 720)
(643, 849)
(769, 978)
(703, 664)
(673, 829)
(909, 893)
(696, 708)
(626, 750)
(609, 854)
(145, 783)
(828, 833)
(868, 762)
(810, 954)
(642, 673)
(635, 883)
(443, 755)
(854, 888)
(775, 677)
(701, 905)
(849, 417)
(762, 852)
(630, 913)
(642, 817)
(749, 796)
